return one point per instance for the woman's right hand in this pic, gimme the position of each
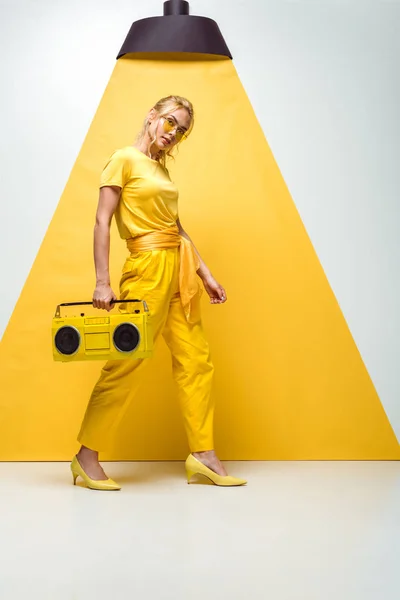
(102, 296)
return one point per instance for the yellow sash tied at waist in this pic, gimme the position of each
(189, 287)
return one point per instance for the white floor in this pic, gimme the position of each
(297, 531)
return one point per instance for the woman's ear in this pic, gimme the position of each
(151, 114)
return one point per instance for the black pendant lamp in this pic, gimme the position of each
(175, 31)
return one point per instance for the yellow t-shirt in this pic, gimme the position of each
(148, 200)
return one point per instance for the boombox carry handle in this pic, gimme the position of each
(58, 313)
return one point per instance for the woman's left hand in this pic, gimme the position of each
(214, 290)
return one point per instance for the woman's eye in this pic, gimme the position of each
(171, 123)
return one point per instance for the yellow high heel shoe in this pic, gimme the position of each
(195, 467)
(93, 484)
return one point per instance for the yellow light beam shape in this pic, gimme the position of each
(290, 382)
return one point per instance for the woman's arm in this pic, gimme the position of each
(212, 287)
(108, 201)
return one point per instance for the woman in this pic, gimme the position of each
(161, 269)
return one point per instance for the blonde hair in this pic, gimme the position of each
(164, 107)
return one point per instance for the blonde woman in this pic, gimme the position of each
(163, 269)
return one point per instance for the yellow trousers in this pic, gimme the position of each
(154, 276)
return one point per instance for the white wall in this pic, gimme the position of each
(323, 79)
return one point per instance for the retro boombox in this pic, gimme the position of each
(120, 336)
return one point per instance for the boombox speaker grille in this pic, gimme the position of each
(67, 340)
(126, 337)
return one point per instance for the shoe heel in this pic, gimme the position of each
(74, 477)
(189, 474)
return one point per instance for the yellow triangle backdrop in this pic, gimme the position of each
(290, 382)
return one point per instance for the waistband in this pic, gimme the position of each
(189, 263)
(155, 240)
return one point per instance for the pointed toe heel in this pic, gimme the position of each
(93, 484)
(196, 467)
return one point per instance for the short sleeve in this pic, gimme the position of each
(117, 170)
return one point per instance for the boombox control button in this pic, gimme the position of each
(97, 320)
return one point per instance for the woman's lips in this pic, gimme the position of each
(165, 141)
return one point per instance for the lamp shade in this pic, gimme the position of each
(175, 31)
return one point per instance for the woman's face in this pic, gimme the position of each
(170, 128)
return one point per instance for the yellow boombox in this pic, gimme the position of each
(120, 336)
